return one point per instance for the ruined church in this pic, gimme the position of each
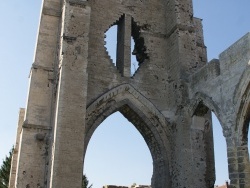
(74, 86)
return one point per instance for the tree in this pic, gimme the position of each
(85, 182)
(5, 173)
(5, 170)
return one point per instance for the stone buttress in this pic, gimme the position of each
(74, 86)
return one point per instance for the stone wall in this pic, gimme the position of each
(74, 86)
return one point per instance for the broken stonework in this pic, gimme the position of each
(74, 86)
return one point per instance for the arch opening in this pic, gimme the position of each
(118, 155)
(146, 119)
(220, 150)
(160, 177)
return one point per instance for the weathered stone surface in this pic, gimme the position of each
(74, 86)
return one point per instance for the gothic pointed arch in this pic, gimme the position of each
(151, 124)
(243, 85)
(243, 108)
(201, 99)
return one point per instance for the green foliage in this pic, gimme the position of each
(5, 170)
(85, 182)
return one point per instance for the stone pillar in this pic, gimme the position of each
(232, 164)
(68, 146)
(243, 166)
(124, 45)
(16, 149)
(33, 150)
(202, 151)
(238, 165)
(209, 149)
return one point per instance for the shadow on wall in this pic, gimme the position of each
(248, 142)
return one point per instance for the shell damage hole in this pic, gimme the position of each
(139, 49)
(115, 44)
(134, 62)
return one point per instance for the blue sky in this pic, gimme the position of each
(117, 154)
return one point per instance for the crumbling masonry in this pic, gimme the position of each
(74, 86)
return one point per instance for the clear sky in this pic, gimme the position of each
(117, 154)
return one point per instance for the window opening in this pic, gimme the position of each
(119, 49)
(111, 43)
(117, 155)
